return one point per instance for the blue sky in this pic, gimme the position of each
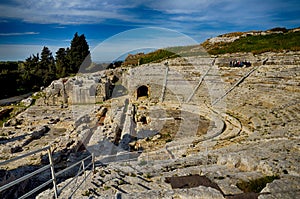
(27, 26)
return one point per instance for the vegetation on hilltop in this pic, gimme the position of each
(188, 51)
(157, 55)
(166, 53)
(274, 42)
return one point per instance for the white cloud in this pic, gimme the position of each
(61, 12)
(189, 16)
(181, 7)
(97, 11)
(19, 33)
(221, 13)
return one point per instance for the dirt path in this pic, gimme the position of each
(14, 99)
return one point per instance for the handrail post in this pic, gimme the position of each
(83, 169)
(53, 173)
(93, 162)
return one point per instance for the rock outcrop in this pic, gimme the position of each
(81, 89)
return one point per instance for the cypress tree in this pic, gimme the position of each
(62, 63)
(79, 54)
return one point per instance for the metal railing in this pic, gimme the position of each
(54, 175)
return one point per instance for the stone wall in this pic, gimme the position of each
(151, 76)
(81, 89)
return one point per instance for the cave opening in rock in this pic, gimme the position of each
(143, 119)
(142, 91)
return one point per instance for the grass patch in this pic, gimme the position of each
(3, 121)
(157, 55)
(256, 185)
(38, 95)
(86, 193)
(12, 111)
(256, 44)
(172, 52)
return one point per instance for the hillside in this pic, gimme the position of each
(274, 40)
(256, 42)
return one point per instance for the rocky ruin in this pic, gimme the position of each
(187, 116)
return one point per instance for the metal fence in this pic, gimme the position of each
(83, 167)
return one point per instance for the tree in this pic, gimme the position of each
(29, 76)
(62, 63)
(9, 78)
(46, 69)
(41, 69)
(79, 54)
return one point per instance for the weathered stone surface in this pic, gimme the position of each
(197, 193)
(27, 102)
(81, 89)
(193, 119)
(282, 188)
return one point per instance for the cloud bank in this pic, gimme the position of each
(232, 12)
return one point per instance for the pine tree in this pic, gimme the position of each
(46, 69)
(41, 70)
(29, 77)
